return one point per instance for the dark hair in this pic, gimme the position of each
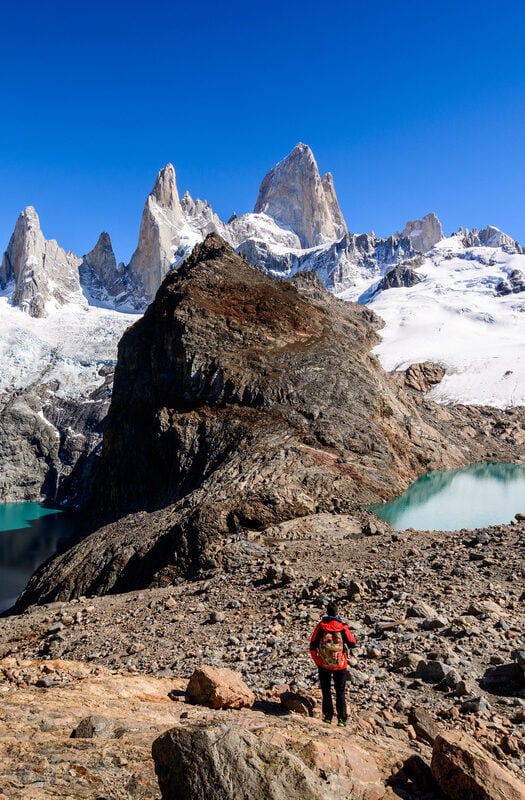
(331, 609)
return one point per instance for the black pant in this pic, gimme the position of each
(325, 679)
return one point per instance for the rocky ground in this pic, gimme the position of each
(438, 617)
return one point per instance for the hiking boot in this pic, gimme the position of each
(328, 720)
(341, 723)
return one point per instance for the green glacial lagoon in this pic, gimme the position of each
(29, 534)
(447, 500)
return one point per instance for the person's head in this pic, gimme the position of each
(331, 609)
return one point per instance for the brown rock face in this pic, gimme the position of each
(219, 688)
(239, 403)
(464, 771)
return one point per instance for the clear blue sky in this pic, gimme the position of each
(413, 107)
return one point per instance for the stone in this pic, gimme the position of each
(465, 771)
(408, 661)
(475, 705)
(423, 724)
(298, 702)
(219, 688)
(432, 671)
(519, 657)
(224, 761)
(97, 727)
(420, 609)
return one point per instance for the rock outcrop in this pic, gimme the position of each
(297, 198)
(514, 284)
(42, 272)
(99, 273)
(240, 403)
(159, 236)
(48, 442)
(463, 769)
(491, 237)
(423, 376)
(402, 275)
(424, 233)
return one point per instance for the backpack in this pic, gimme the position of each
(331, 649)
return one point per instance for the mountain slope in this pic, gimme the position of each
(239, 403)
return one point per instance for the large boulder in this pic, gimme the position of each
(465, 771)
(219, 688)
(223, 760)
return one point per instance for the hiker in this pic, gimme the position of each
(329, 645)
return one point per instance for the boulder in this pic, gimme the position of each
(298, 703)
(222, 760)
(97, 727)
(465, 771)
(423, 376)
(519, 655)
(219, 688)
(432, 671)
(423, 724)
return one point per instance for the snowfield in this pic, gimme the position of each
(69, 346)
(453, 317)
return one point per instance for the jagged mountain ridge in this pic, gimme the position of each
(295, 225)
(70, 353)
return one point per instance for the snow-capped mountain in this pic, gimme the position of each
(466, 312)
(456, 301)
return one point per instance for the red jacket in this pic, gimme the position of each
(331, 624)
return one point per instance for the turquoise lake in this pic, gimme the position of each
(447, 500)
(29, 534)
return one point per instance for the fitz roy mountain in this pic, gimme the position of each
(456, 302)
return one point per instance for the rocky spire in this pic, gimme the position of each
(99, 272)
(424, 233)
(333, 204)
(296, 197)
(42, 271)
(159, 237)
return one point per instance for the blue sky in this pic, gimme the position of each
(413, 107)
